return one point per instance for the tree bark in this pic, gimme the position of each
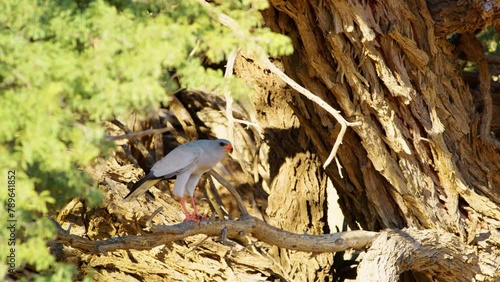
(430, 256)
(297, 184)
(423, 156)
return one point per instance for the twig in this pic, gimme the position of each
(237, 197)
(213, 197)
(145, 153)
(262, 57)
(150, 219)
(195, 49)
(229, 99)
(163, 234)
(58, 226)
(227, 94)
(139, 134)
(247, 123)
(197, 245)
(226, 212)
(320, 102)
(225, 240)
(130, 157)
(340, 167)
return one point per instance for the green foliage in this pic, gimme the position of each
(67, 66)
(490, 40)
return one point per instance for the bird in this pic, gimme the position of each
(187, 162)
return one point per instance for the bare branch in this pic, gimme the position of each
(130, 156)
(135, 135)
(320, 102)
(150, 219)
(473, 49)
(213, 197)
(162, 234)
(247, 123)
(232, 190)
(227, 94)
(235, 27)
(137, 143)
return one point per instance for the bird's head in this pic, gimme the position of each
(224, 145)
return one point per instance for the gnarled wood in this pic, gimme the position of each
(430, 255)
(247, 226)
(419, 158)
(464, 16)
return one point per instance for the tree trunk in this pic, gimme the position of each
(423, 155)
(297, 184)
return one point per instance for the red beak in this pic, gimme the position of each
(228, 147)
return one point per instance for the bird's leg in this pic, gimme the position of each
(196, 214)
(188, 216)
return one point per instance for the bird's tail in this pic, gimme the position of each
(141, 186)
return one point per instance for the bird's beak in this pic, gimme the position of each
(228, 147)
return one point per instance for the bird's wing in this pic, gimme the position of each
(141, 186)
(182, 158)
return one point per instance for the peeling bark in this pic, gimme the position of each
(429, 255)
(423, 157)
(417, 114)
(297, 183)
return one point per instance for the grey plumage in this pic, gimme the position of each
(188, 162)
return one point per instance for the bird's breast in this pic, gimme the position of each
(202, 169)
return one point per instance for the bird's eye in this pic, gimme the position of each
(222, 144)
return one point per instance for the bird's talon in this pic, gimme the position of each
(202, 217)
(192, 218)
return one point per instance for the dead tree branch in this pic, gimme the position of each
(138, 134)
(473, 49)
(320, 102)
(162, 234)
(432, 253)
(263, 58)
(232, 190)
(137, 143)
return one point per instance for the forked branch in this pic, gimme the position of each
(263, 58)
(320, 102)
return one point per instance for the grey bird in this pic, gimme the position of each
(187, 162)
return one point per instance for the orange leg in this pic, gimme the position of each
(196, 214)
(189, 217)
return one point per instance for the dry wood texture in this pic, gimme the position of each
(247, 226)
(423, 156)
(431, 255)
(297, 186)
(419, 132)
